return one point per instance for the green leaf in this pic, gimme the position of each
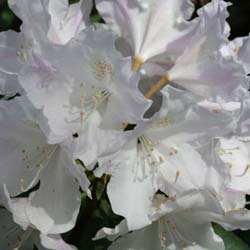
(232, 242)
(6, 18)
(95, 18)
(73, 1)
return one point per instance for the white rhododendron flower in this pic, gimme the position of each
(146, 112)
(183, 223)
(90, 91)
(27, 158)
(158, 158)
(150, 27)
(202, 68)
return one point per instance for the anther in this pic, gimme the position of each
(177, 176)
(137, 62)
(245, 171)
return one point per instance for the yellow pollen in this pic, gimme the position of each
(103, 70)
(137, 62)
(124, 125)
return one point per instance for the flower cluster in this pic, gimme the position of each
(155, 98)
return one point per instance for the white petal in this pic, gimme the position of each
(146, 238)
(107, 141)
(66, 20)
(9, 85)
(49, 90)
(55, 205)
(203, 69)
(150, 31)
(33, 15)
(181, 170)
(131, 187)
(174, 232)
(17, 207)
(244, 52)
(11, 235)
(236, 156)
(22, 146)
(55, 242)
(186, 118)
(9, 47)
(112, 233)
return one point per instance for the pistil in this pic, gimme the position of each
(159, 85)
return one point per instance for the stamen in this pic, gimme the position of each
(235, 210)
(22, 181)
(162, 123)
(103, 70)
(24, 237)
(156, 87)
(162, 233)
(22, 56)
(228, 151)
(177, 176)
(148, 148)
(87, 106)
(150, 157)
(168, 227)
(245, 171)
(138, 61)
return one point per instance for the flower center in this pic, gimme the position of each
(103, 70)
(150, 153)
(80, 110)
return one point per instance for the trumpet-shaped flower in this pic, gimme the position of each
(203, 68)
(27, 158)
(158, 158)
(88, 92)
(183, 223)
(151, 27)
